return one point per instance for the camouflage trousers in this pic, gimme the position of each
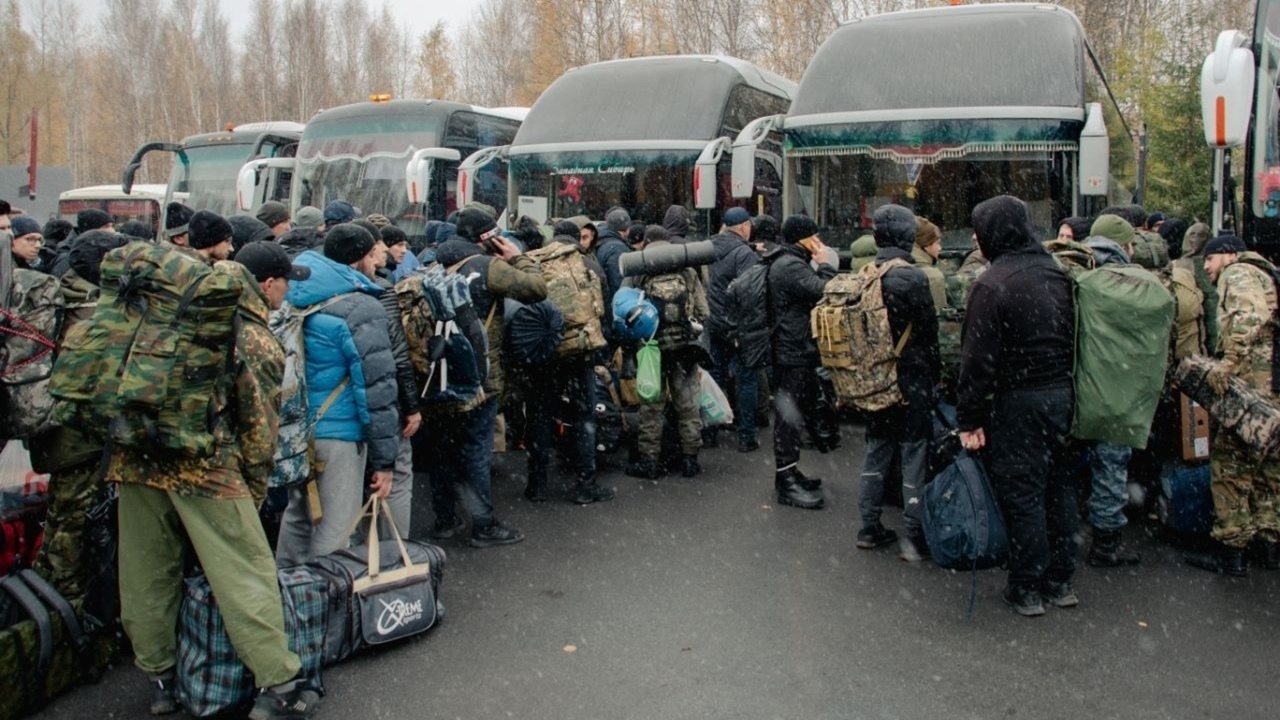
(1245, 493)
(62, 560)
(683, 386)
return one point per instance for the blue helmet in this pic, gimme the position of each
(634, 317)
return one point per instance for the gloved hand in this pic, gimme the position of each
(1218, 375)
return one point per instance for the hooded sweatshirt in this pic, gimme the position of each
(1019, 326)
(349, 339)
(676, 222)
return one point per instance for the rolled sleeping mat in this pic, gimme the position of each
(666, 258)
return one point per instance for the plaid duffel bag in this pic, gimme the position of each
(211, 678)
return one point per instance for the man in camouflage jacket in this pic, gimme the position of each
(72, 459)
(1245, 487)
(211, 502)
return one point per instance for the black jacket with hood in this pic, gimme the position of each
(733, 257)
(676, 222)
(608, 248)
(1019, 326)
(794, 289)
(299, 240)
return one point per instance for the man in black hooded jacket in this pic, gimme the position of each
(902, 431)
(794, 288)
(1014, 398)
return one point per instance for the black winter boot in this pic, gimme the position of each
(536, 490)
(689, 466)
(812, 484)
(1271, 556)
(646, 469)
(1107, 551)
(791, 493)
(591, 492)
(1227, 561)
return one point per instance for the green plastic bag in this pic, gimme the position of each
(649, 372)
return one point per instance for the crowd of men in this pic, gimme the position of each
(1008, 373)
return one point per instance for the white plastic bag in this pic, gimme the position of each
(20, 485)
(713, 403)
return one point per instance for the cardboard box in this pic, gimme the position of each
(1193, 428)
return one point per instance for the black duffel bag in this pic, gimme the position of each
(397, 600)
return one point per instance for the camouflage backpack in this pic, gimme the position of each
(448, 346)
(30, 316)
(152, 368)
(576, 292)
(855, 341)
(295, 449)
(673, 297)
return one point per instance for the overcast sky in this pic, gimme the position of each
(417, 15)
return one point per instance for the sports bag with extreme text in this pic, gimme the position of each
(577, 293)
(855, 341)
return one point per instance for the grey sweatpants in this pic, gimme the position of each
(341, 488)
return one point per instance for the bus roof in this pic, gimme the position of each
(668, 97)
(112, 192)
(960, 61)
(244, 134)
(416, 107)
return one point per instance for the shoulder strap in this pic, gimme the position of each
(37, 612)
(312, 309)
(54, 599)
(333, 397)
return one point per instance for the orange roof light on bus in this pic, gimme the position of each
(380, 97)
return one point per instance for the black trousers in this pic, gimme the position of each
(1029, 459)
(796, 396)
(570, 380)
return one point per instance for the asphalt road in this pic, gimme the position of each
(704, 599)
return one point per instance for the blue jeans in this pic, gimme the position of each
(1109, 466)
(459, 458)
(726, 365)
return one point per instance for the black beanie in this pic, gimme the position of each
(246, 229)
(895, 227)
(367, 225)
(88, 250)
(208, 229)
(567, 228)
(475, 225)
(176, 217)
(392, 235)
(91, 219)
(1228, 244)
(799, 227)
(347, 243)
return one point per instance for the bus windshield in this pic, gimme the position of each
(207, 173)
(1266, 141)
(645, 182)
(842, 192)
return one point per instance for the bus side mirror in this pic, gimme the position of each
(472, 165)
(417, 173)
(255, 179)
(1226, 91)
(1095, 154)
(743, 179)
(705, 182)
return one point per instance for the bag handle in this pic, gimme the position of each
(375, 577)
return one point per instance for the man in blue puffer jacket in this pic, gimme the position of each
(350, 367)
